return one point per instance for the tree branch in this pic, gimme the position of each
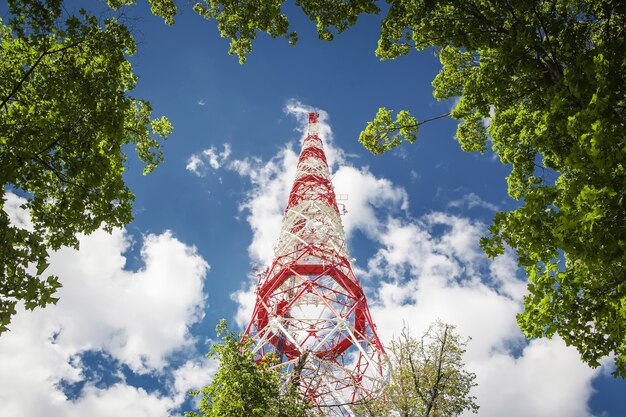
(58, 139)
(550, 61)
(441, 116)
(435, 392)
(32, 68)
(60, 176)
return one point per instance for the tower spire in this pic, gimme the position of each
(310, 310)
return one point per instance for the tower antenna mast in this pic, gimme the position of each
(310, 310)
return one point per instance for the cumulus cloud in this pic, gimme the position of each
(270, 186)
(138, 318)
(17, 215)
(444, 275)
(548, 380)
(425, 268)
(197, 163)
(366, 194)
(271, 183)
(192, 375)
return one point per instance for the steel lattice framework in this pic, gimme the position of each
(310, 310)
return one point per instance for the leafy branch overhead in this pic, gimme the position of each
(544, 84)
(240, 20)
(66, 114)
(383, 134)
(551, 76)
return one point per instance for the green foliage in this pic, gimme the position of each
(65, 117)
(550, 76)
(383, 134)
(553, 74)
(427, 377)
(243, 388)
(241, 20)
(163, 8)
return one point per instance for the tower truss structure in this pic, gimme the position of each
(310, 310)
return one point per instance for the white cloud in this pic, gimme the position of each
(193, 375)
(547, 380)
(201, 102)
(271, 183)
(427, 268)
(365, 195)
(500, 270)
(245, 299)
(437, 271)
(197, 163)
(472, 200)
(137, 317)
(117, 400)
(17, 215)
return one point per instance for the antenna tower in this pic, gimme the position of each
(310, 310)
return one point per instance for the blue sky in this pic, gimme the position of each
(138, 307)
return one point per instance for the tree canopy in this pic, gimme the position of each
(551, 77)
(544, 84)
(66, 115)
(243, 388)
(427, 378)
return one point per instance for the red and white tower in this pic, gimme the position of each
(310, 310)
